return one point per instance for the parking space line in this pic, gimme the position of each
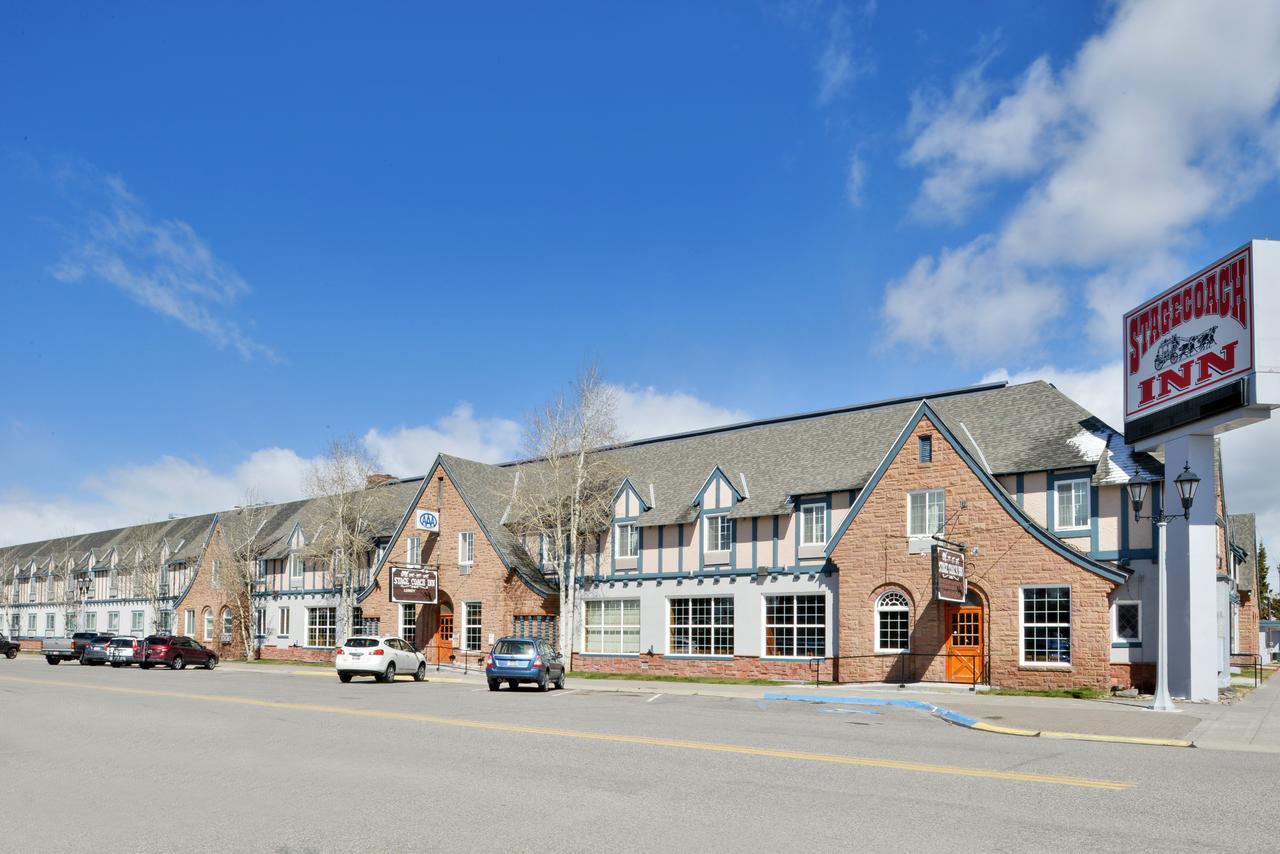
(654, 697)
(553, 732)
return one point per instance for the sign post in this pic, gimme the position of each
(1195, 366)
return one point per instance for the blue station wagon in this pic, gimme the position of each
(515, 660)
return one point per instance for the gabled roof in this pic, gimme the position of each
(1111, 572)
(1244, 537)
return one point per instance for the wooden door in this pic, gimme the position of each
(444, 637)
(964, 643)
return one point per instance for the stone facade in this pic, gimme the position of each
(872, 557)
(500, 593)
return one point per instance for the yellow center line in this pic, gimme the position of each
(523, 729)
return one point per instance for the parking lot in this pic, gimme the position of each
(277, 758)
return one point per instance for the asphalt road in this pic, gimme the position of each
(96, 759)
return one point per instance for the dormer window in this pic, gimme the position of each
(1072, 504)
(627, 540)
(719, 533)
(813, 524)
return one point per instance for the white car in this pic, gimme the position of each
(381, 658)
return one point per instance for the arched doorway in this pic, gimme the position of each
(966, 639)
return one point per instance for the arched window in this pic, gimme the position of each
(893, 622)
(226, 621)
(208, 624)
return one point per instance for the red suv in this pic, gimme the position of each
(175, 652)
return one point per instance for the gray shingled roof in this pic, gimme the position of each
(1020, 428)
(1243, 532)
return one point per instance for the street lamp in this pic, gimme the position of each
(1186, 483)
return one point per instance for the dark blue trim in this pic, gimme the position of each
(755, 530)
(1126, 644)
(799, 505)
(796, 571)
(924, 410)
(631, 487)
(776, 521)
(1021, 484)
(1052, 479)
(734, 495)
(680, 547)
(660, 527)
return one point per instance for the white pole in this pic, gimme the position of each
(1163, 702)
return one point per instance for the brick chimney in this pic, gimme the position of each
(379, 479)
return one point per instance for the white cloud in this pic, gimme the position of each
(1250, 473)
(1099, 390)
(1145, 135)
(857, 178)
(162, 264)
(969, 301)
(841, 63)
(412, 450)
(125, 495)
(646, 412)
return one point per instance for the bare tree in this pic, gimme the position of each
(8, 590)
(242, 532)
(64, 576)
(351, 510)
(147, 556)
(565, 497)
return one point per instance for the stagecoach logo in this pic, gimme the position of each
(1194, 337)
(427, 521)
(950, 583)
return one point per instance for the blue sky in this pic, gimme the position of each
(231, 238)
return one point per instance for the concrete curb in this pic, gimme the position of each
(973, 723)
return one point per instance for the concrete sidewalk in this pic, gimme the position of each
(1251, 724)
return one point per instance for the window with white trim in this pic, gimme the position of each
(31, 625)
(282, 628)
(208, 623)
(414, 556)
(893, 622)
(113, 622)
(719, 533)
(49, 618)
(228, 621)
(297, 566)
(626, 540)
(1126, 622)
(1046, 625)
(1072, 504)
(473, 632)
(926, 513)
(795, 626)
(613, 626)
(813, 524)
(322, 627)
(466, 548)
(409, 624)
(136, 619)
(260, 621)
(90, 622)
(15, 626)
(701, 626)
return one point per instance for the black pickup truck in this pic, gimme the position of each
(8, 648)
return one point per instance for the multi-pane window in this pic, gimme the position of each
(260, 621)
(1128, 622)
(69, 621)
(166, 621)
(466, 548)
(926, 513)
(362, 625)
(414, 556)
(409, 624)
(795, 626)
(472, 635)
(613, 626)
(322, 626)
(49, 618)
(228, 622)
(297, 566)
(135, 621)
(702, 626)
(31, 625)
(113, 585)
(628, 540)
(90, 621)
(113, 621)
(719, 533)
(1072, 503)
(1046, 625)
(208, 624)
(15, 626)
(893, 622)
(813, 524)
(283, 627)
